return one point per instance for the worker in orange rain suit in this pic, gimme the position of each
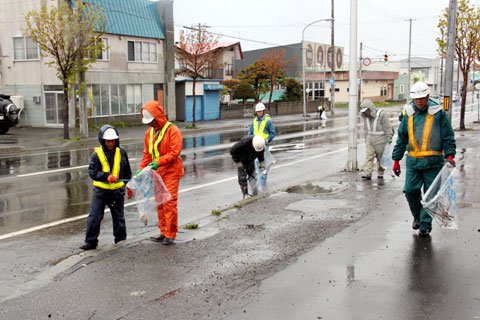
(163, 143)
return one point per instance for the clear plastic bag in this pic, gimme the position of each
(269, 162)
(440, 200)
(387, 162)
(150, 192)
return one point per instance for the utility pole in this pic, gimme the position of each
(441, 75)
(409, 57)
(452, 23)
(352, 93)
(360, 75)
(332, 70)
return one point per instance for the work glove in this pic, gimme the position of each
(153, 165)
(112, 179)
(240, 165)
(137, 172)
(450, 160)
(129, 193)
(396, 168)
(265, 173)
(389, 141)
(262, 165)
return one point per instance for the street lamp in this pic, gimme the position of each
(303, 64)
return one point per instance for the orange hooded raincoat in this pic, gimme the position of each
(170, 166)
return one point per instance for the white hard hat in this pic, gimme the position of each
(259, 107)
(110, 134)
(363, 109)
(419, 90)
(147, 117)
(258, 143)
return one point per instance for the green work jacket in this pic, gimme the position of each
(441, 138)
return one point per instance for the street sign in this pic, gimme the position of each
(477, 86)
(331, 81)
(367, 62)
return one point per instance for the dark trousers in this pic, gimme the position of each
(114, 199)
(414, 180)
(246, 176)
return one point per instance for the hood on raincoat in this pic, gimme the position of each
(157, 112)
(102, 131)
(368, 104)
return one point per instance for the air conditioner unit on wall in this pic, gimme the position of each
(18, 101)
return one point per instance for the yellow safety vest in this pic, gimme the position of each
(106, 168)
(260, 131)
(422, 152)
(153, 146)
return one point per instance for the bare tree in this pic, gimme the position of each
(274, 68)
(71, 38)
(467, 43)
(197, 51)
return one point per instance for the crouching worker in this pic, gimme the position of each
(109, 164)
(244, 153)
(162, 147)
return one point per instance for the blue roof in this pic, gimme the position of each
(138, 18)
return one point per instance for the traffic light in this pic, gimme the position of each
(385, 59)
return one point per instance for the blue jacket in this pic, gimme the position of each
(269, 128)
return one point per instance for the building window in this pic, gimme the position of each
(142, 51)
(25, 49)
(383, 91)
(116, 99)
(105, 54)
(134, 98)
(228, 70)
(402, 88)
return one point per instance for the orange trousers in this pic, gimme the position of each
(168, 212)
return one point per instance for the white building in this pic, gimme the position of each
(137, 66)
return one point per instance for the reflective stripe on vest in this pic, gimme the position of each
(153, 147)
(374, 131)
(260, 131)
(422, 152)
(106, 168)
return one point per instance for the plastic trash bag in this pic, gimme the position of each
(440, 200)
(387, 162)
(150, 192)
(269, 162)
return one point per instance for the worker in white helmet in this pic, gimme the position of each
(263, 125)
(427, 135)
(109, 169)
(244, 153)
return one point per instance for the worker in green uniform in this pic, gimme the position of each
(427, 135)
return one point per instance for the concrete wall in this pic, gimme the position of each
(236, 111)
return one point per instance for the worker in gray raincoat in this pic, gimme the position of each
(378, 132)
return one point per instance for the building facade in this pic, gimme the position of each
(136, 66)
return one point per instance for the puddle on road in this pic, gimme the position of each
(314, 188)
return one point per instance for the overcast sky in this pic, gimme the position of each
(382, 25)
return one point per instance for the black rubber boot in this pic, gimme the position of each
(244, 192)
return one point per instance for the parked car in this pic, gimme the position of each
(8, 114)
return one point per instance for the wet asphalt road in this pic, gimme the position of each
(287, 175)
